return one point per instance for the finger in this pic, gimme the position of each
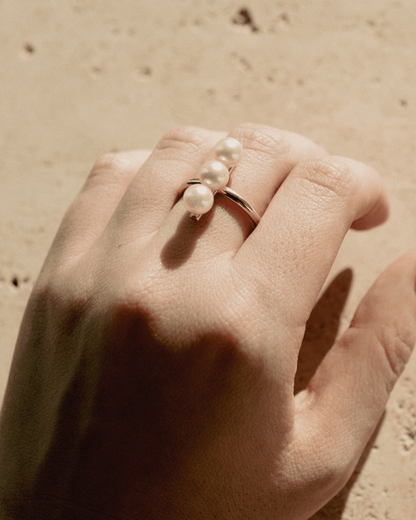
(177, 157)
(346, 397)
(292, 249)
(90, 212)
(268, 156)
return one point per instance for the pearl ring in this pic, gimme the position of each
(213, 177)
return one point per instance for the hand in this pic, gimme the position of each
(153, 375)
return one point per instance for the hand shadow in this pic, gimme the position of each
(320, 334)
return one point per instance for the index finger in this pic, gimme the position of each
(290, 253)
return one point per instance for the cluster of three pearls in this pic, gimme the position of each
(213, 176)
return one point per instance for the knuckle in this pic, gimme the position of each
(327, 176)
(271, 141)
(108, 161)
(107, 166)
(396, 342)
(182, 140)
(262, 139)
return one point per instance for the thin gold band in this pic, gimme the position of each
(234, 197)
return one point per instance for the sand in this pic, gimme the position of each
(85, 77)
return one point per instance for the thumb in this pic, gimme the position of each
(346, 397)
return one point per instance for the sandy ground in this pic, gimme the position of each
(84, 77)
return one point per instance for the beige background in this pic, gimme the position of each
(82, 77)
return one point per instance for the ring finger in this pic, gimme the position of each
(268, 157)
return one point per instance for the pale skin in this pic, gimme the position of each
(153, 374)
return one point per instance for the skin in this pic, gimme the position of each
(153, 375)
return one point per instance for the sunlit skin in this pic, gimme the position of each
(153, 374)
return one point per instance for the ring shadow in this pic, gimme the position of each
(320, 334)
(180, 246)
(178, 249)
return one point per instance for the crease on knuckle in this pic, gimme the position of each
(109, 169)
(109, 162)
(181, 140)
(327, 177)
(262, 139)
(397, 345)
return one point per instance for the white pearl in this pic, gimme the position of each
(228, 150)
(214, 174)
(198, 199)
